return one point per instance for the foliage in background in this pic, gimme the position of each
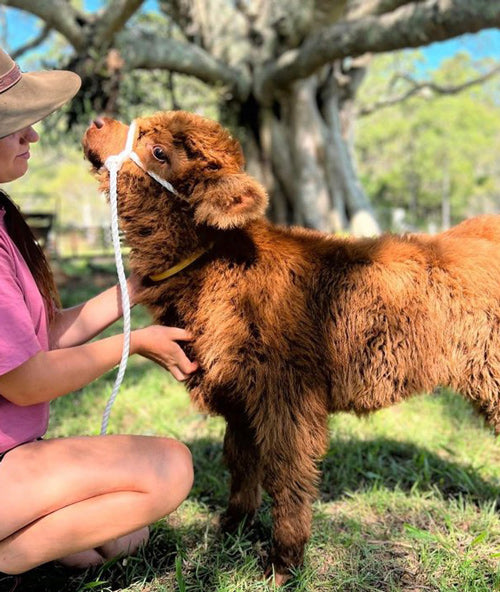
(59, 181)
(429, 153)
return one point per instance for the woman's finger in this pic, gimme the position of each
(178, 374)
(178, 334)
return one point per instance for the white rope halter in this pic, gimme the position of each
(113, 164)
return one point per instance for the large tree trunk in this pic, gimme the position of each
(301, 151)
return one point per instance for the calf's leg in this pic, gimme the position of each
(243, 461)
(290, 477)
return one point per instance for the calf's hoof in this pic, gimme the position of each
(278, 578)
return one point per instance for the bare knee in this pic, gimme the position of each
(182, 463)
(175, 475)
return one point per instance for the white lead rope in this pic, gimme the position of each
(113, 164)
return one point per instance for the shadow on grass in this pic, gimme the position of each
(347, 466)
(357, 466)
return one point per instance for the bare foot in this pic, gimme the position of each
(83, 559)
(125, 545)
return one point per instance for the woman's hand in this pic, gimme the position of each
(159, 344)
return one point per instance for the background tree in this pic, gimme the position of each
(287, 75)
(429, 148)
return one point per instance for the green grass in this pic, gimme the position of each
(407, 501)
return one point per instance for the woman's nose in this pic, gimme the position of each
(30, 135)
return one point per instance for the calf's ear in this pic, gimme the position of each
(229, 201)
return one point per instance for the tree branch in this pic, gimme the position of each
(363, 8)
(58, 15)
(411, 25)
(116, 14)
(327, 12)
(185, 58)
(35, 42)
(178, 12)
(421, 87)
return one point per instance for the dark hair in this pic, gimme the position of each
(33, 254)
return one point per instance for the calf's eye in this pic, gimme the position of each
(159, 154)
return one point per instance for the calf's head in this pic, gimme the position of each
(197, 156)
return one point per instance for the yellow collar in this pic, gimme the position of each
(158, 277)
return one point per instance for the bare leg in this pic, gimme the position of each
(61, 497)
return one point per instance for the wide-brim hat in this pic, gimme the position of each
(28, 97)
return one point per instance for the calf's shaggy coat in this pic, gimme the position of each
(292, 324)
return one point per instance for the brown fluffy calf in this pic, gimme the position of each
(292, 324)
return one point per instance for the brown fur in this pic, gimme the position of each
(292, 324)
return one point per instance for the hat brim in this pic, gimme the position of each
(36, 95)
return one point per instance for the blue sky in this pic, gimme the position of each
(483, 44)
(22, 26)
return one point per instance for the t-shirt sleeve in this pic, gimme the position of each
(18, 340)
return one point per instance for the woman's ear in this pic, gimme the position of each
(229, 201)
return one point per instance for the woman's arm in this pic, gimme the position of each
(48, 375)
(77, 325)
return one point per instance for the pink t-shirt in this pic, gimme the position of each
(23, 333)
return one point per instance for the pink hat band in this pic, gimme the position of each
(10, 78)
(28, 97)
